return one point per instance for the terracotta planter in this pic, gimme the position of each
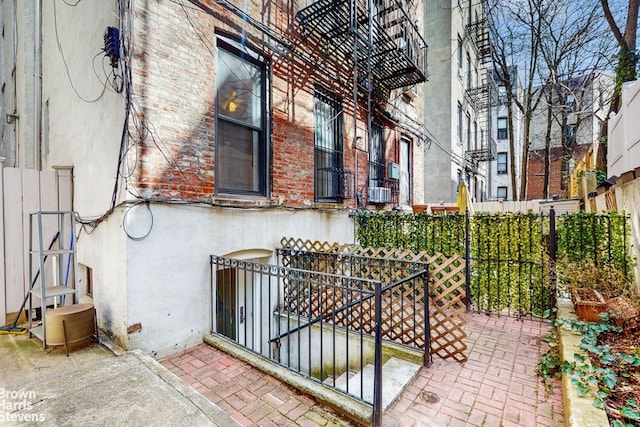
(588, 303)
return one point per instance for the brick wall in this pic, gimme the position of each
(172, 124)
(535, 171)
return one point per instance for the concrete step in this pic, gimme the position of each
(341, 381)
(396, 375)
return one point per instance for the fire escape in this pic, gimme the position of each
(484, 95)
(383, 48)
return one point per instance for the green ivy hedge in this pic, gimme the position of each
(511, 269)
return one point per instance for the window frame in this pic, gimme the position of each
(377, 156)
(262, 168)
(460, 54)
(333, 172)
(505, 156)
(503, 132)
(460, 124)
(468, 133)
(502, 189)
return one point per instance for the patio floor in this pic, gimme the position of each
(497, 386)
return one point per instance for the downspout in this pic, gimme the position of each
(37, 87)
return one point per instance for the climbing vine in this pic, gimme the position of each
(510, 264)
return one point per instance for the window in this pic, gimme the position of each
(241, 142)
(328, 143)
(459, 124)
(468, 131)
(469, 75)
(502, 163)
(502, 94)
(460, 56)
(475, 135)
(502, 128)
(502, 193)
(570, 133)
(469, 13)
(376, 156)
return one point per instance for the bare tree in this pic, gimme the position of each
(514, 31)
(572, 49)
(551, 42)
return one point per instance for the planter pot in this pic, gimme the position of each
(588, 304)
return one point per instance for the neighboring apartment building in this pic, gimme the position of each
(563, 128)
(505, 178)
(210, 127)
(458, 96)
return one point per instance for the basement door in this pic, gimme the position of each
(234, 314)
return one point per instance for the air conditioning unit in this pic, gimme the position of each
(379, 195)
(410, 92)
(393, 170)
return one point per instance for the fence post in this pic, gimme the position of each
(552, 249)
(427, 321)
(467, 259)
(377, 370)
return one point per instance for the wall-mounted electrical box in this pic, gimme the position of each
(393, 171)
(112, 45)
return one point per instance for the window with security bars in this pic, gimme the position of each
(377, 156)
(328, 147)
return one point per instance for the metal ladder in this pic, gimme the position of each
(58, 277)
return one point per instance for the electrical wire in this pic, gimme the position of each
(64, 61)
(126, 214)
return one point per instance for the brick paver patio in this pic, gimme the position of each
(497, 386)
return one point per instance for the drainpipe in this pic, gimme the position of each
(37, 86)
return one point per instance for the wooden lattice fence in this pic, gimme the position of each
(402, 306)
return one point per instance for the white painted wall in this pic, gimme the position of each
(105, 252)
(444, 158)
(167, 273)
(623, 150)
(85, 116)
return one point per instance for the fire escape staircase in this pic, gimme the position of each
(483, 96)
(387, 38)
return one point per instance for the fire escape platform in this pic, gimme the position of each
(390, 40)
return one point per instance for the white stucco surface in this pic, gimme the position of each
(168, 273)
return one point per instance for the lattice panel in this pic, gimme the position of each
(446, 294)
(446, 312)
(308, 245)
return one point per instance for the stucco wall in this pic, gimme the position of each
(168, 273)
(83, 117)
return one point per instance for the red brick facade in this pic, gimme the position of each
(173, 118)
(535, 172)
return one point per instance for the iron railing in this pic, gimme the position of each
(405, 315)
(303, 320)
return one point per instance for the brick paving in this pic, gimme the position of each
(497, 386)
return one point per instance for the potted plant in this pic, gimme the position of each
(588, 304)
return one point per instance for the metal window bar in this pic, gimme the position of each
(328, 147)
(377, 156)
